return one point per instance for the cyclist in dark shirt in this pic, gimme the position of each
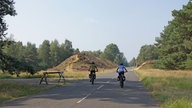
(92, 68)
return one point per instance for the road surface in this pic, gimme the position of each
(105, 93)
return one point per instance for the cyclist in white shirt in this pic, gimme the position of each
(121, 70)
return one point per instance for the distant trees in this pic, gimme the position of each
(31, 59)
(147, 52)
(111, 53)
(97, 53)
(133, 62)
(52, 53)
(68, 49)
(44, 54)
(19, 57)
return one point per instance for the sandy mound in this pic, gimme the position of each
(81, 62)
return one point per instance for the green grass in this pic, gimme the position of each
(169, 88)
(11, 90)
(179, 103)
(5, 76)
(23, 75)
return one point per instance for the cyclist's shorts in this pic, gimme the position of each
(93, 71)
(121, 72)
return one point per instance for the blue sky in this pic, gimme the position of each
(92, 24)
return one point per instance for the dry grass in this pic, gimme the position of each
(169, 87)
(79, 74)
(67, 74)
(166, 73)
(84, 74)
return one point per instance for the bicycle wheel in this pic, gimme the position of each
(121, 82)
(92, 79)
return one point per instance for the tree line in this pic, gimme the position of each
(30, 58)
(49, 54)
(111, 53)
(173, 49)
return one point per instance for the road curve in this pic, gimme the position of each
(105, 93)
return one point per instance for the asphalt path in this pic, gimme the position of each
(105, 93)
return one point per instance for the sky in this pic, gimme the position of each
(91, 25)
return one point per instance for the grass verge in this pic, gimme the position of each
(11, 90)
(70, 74)
(82, 74)
(172, 89)
(5, 76)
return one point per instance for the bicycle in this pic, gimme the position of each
(121, 80)
(121, 69)
(92, 77)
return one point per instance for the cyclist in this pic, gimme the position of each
(92, 68)
(121, 70)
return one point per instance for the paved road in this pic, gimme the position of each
(106, 93)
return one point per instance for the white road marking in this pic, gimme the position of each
(100, 87)
(89, 94)
(108, 82)
(84, 98)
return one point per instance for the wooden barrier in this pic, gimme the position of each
(45, 75)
